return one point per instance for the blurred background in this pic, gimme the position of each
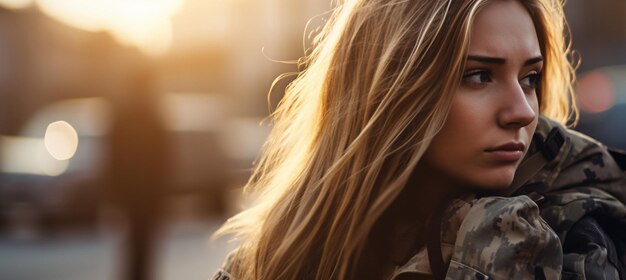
(128, 127)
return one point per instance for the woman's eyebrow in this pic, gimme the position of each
(499, 61)
(533, 60)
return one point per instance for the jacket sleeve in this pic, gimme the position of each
(590, 252)
(505, 238)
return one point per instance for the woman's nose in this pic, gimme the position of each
(519, 108)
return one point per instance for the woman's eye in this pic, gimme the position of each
(477, 78)
(531, 81)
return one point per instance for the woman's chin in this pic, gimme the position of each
(495, 180)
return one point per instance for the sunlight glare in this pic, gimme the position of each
(142, 23)
(15, 4)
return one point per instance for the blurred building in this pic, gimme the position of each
(44, 60)
(198, 107)
(598, 32)
(45, 65)
(599, 39)
(231, 48)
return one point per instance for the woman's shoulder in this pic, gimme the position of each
(583, 201)
(576, 146)
(579, 161)
(579, 178)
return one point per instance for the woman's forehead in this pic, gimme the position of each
(504, 29)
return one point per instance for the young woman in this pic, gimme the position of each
(424, 140)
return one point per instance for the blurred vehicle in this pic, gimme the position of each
(212, 149)
(49, 173)
(210, 152)
(601, 95)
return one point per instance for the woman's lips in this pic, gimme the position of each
(505, 156)
(508, 153)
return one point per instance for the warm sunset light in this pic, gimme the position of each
(15, 4)
(142, 23)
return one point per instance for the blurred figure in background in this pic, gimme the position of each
(138, 172)
(212, 54)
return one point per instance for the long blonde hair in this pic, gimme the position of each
(353, 125)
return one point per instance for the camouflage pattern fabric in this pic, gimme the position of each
(493, 238)
(520, 238)
(221, 274)
(505, 238)
(583, 183)
(224, 273)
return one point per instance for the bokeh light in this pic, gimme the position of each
(168, 100)
(61, 140)
(48, 164)
(595, 92)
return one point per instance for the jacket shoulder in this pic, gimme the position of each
(225, 272)
(582, 161)
(584, 204)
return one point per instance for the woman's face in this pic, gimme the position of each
(495, 109)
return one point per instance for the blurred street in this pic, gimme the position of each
(183, 253)
(127, 120)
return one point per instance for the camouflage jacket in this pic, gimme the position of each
(566, 220)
